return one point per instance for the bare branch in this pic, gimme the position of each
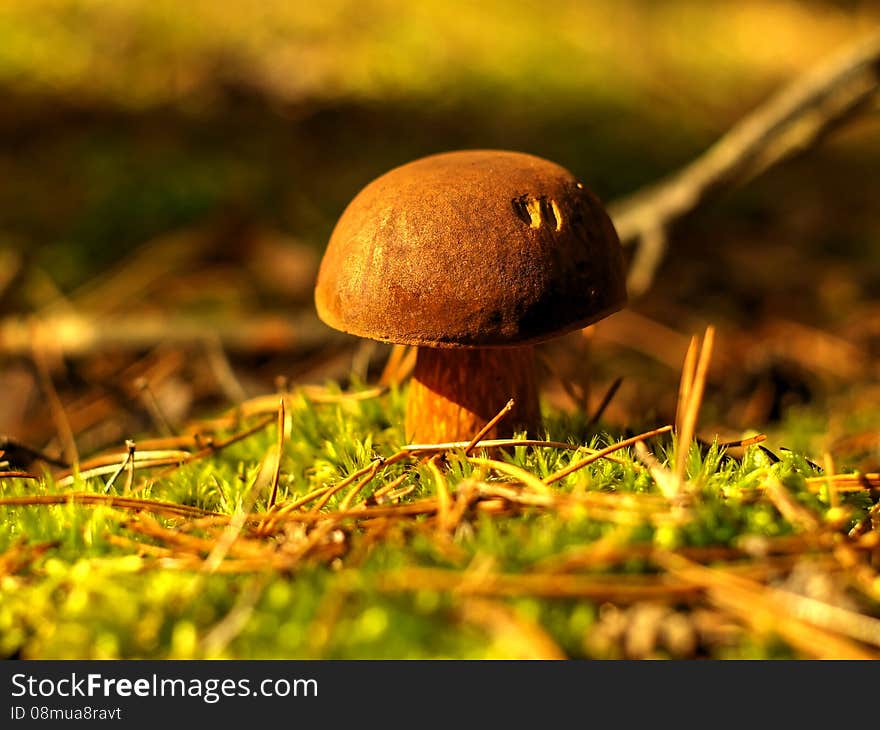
(791, 121)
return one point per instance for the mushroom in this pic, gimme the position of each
(473, 257)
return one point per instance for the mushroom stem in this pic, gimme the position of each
(456, 391)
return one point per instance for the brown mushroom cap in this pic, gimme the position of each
(479, 248)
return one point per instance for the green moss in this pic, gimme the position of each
(89, 596)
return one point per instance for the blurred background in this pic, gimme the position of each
(170, 173)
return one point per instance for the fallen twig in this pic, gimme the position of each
(790, 122)
(81, 334)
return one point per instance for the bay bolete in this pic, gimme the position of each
(473, 257)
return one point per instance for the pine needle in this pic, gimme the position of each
(693, 381)
(279, 449)
(489, 426)
(562, 473)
